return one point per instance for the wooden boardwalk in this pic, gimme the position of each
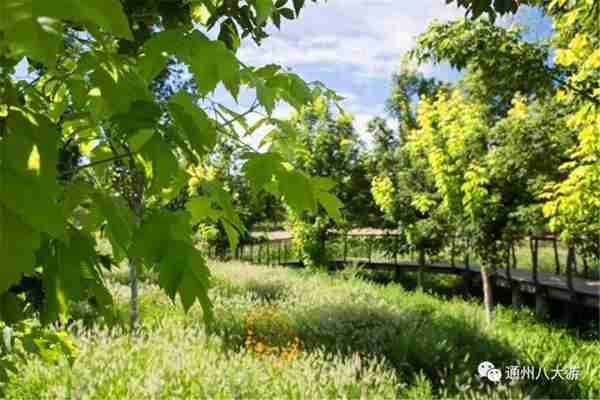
(585, 292)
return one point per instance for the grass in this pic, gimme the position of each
(283, 333)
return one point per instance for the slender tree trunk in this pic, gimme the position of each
(556, 258)
(420, 268)
(514, 255)
(569, 269)
(137, 208)
(488, 300)
(452, 251)
(508, 276)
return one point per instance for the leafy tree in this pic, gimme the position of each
(493, 7)
(498, 61)
(487, 153)
(400, 186)
(95, 65)
(573, 204)
(252, 206)
(327, 145)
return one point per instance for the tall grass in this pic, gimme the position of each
(299, 334)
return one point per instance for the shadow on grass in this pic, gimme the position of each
(269, 291)
(416, 341)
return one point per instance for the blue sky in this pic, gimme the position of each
(354, 46)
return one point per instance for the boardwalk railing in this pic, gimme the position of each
(385, 250)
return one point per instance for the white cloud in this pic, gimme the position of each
(366, 37)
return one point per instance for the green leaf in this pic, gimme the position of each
(55, 306)
(119, 90)
(74, 195)
(28, 177)
(276, 18)
(141, 115)
(165, 168)
(156, 51)
(232, 233)
(298, 4)
(137, 141)
(78, 90)
(201, 209)
(28, 35)
(183, 271)
(228, 216)
(98, 154)
(193, 123)
(106, 14)
(229, 35)
(210, 62)
(157, 228)
(331, 204)
(261, 168)
(287, 13)
(11, 308)
(71, 272)
(119, 219)
(266, 97)
(18, 244)
(264, 8)
(297, 191)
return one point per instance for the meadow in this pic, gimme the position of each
(283, 333)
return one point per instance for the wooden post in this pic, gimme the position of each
(517, 298)
(541, 303)
(269, 253)
(396, 250)
(585, 265)
(467, 264)
(556, 258)
(369, 248)
(279, 253)
(533, 244)
(569, 314)
(345, 246)
(467, 279)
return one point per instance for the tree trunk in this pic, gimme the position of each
(420, 268)
(452, 251)
(569, 268)
(488, 301)
(508, 276)
(514, 255)
(136, 204)
(556, 258)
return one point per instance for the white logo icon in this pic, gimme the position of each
(487, 370)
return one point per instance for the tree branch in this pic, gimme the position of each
(94, 163)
